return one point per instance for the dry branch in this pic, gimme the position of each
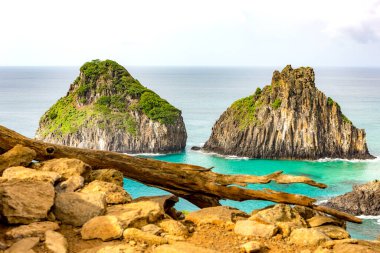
(199, 185)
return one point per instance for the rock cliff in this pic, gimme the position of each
(363, 200)
(106, 108)
(289, 119)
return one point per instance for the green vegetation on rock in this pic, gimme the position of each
(276, 103)
(244, 109)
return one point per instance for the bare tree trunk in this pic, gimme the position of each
(199, 185)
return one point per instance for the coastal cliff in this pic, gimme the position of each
(289, 119)
(106, 108)
(364, 199)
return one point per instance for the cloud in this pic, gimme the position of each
(360, 23)
(365, 32)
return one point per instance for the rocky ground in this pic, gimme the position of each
(62, 205)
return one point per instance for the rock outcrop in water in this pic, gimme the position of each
(363, 200)
(107, 109)
(289, 119)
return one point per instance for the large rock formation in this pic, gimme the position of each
(289, 119)
(363, 200)
(107, 109)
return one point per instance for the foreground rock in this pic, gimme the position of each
(256, 229)
(219, 215)
(55, 242)
(102, 227)
(66, 167)
(107, 109)
(289, 119)
(36, 229)
(363, 200)
(33, 175)
(24, 201)
(17, 156)
(77, 208)
(108, 175)
(308, 237)
(24, 245)
(114, 194)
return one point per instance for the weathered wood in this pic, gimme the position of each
(336, 213)
(199, 185)
(17, 156)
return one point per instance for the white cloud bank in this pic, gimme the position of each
(208, 32)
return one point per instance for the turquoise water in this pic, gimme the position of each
(203, 94)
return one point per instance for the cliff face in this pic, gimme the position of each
(106, 108)
(289, 119)
(363, 200)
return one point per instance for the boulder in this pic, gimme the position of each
(24, 245)
(108, 175)
(152, 229)
(102, 227)
(318, 220)
(219, 215)
(182, 247)
(141, 211)
(114, 194)
(34, 175)
(76, 208)
(66, 167)
(36, 229)
(253, 228)
(307, 237)
(25, 201)
(70, 185)
(173, 227)
(334, 232)
(55, 242)
(252, 247)
(17, 156)
(138, 235)
(283, 216)
(279, 213)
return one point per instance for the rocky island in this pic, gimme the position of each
(289, 119)
(107, 109)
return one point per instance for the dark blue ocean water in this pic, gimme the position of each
(203, 94)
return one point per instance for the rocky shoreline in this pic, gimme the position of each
(63, 205)
(364, 199)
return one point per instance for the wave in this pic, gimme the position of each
(322, 201)
(377, 159)
(230, 157)
(369, 217)
(147, 154)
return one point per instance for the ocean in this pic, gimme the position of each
(203, 93)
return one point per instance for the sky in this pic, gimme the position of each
(190, 32)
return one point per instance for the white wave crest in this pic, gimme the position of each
(369, 217)
(377, 159)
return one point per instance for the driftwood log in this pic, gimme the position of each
(197, 184)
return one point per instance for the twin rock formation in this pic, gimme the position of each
(107, 109)
(289, 119)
